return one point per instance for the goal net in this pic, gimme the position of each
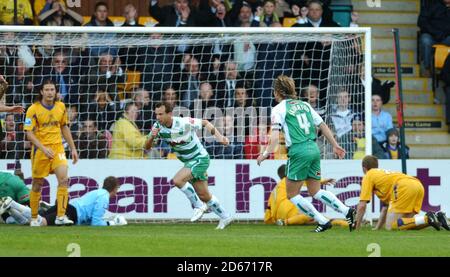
(104, 75)
(224, 76)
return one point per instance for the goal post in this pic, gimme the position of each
(224, 75)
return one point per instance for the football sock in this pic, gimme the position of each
(62, 197)
(409, 223)
(190, 193)
(216, 208)
(35, 197)
(307, 208)
(331, 200)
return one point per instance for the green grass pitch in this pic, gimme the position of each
(201, 239)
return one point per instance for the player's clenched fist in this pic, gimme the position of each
(225, 141)
(155, 132)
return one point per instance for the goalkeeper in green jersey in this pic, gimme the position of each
(180, 134)
(13, 186)
(298, 121)
(13, 191)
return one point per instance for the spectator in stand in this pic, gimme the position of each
(355, 140)
(266, 15)
(310, 94)
(61, 73)
(107, 74)
(207, 95)
(245, 16)
(342, 116)
(225, 88)
(241, 97)
(141, 98)
(381, 120)
(316, 17)
(100, 18)
(392, 147)
(11, 146)
(103, 110)
(91, 143)
(245, 57)
(170, 95)
(131, 16)
(179, 15)
(128, 141)
(21, 86)
(24, 12)
(8, 54)
(189, 82)
(42, 6)
(434, 24)
(300, 13)
(359, 138)
(60, 15)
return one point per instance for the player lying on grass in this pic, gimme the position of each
(12, 187)
(298, 121)
(401, 195)
(86, 210)
(180, 134)
(281, 211)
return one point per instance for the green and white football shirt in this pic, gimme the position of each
(297, 120)
(182, 138)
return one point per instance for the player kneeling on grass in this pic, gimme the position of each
(86, 210)
(180, 134)
(281, 211)
(402, 196)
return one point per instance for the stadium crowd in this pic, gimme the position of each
(106, 111)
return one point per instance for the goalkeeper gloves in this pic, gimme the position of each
(118, 220)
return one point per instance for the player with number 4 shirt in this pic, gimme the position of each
(298, 121)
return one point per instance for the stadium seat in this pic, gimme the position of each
(289, 21)
(147, 21)
(117, 20)
(342, 14)
(86, 19)
(441, 51)
(133, 79)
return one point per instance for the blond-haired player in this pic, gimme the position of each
(46, 120)
(401, 195)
